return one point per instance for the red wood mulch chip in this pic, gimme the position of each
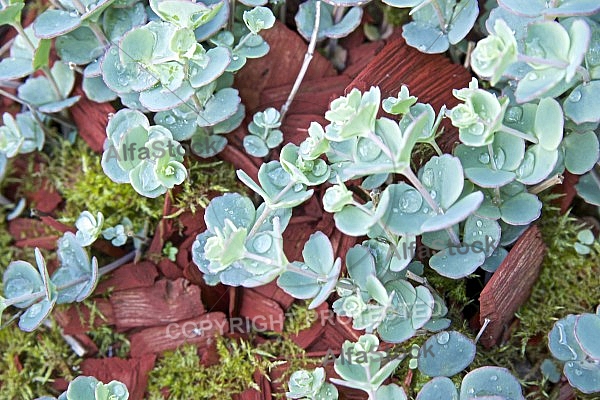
(91, 119)
(511, 284)
(75, 319)
(130, 276)
(132, 372)
(167, 301)
(261, 312)
(199, 331)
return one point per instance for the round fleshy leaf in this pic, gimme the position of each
(587, 328)
(96, 90)
(391, 391)
(80, 46)
(219, 58)
(443, 178)
(536, 83)
(222, 105)
(255, 146)
(457, 262)
(549, 124)
(238, 209)
(521, 209)
(440, 388)
(491, 381)
(82, 387)
(353, 221)
(580, 106)
(33, 317)
(562, 341)
(489, 178)
(455, 214)
(492, 263)
(589, 189)
(53, 23)
(583, 375)
(160, 98)
(483, 233)
(360, 265)
(446, 354)
(209, 28)
(537, 164)
(407, 209)
(19, 279)
(422, 309)
(581, 151)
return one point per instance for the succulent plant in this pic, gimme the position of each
(329, 25)
(437, 24)
(573, 341)
(146, 156)
(90, 388)
(362, 366)
(311, 385)
(264, 133)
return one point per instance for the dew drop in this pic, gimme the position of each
(578, 372)
(118, 391)
(433, 194)
(493, 378)
(17, 287)
(34, 310)
(484, 158)
(442, 337)
(169, 120)
(575, 96)
(410, 201)
(526, 167)
(479, 223)
(533, 76)
(499, 158)
(428, 176)
(262, 243)
(366, 150)
(514, 114)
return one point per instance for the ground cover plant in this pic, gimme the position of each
(422, 209)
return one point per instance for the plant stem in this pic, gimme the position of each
(486, 322)
(435, 146)
(267, 210)
(308, 56)
(585, 74)
(377, 140)
(99, 34)
(432, 203)
(44, 69)
(548, 183)
(522, 135)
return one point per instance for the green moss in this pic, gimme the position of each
(77, 174)
(110, 342)
(299, 318)
(396, 16)
(204, 180)
(568, 282)
(31, 361)
(184, 377)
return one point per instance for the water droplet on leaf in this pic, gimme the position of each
(575, 96)
(442, 337)
(410, 201)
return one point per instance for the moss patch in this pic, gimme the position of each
(182, 376)
(30, 361)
